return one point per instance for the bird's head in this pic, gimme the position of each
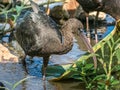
(74, 25)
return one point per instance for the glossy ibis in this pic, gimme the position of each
(111, 7)
(88, 6)
(38, 35)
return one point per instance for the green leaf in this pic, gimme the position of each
(18, 8)
(109, 44)
(118, 54)
(101, 83)
(99, 77)
(19, 82)
(117, 41)
(7, 83)
(112, 40)
(88, 66)
(102, 51)
(116, 68)
(85, 57)
(14, 16)
(115, 82)
(117, 46)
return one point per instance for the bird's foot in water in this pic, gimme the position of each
(23, 62)
(44, 78)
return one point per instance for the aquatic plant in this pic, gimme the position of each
(102, 77)
(109, 59)
(13, 86)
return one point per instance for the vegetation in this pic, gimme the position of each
(102, 78)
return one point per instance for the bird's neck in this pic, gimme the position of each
(67, 36)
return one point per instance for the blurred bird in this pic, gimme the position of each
(111, 7)
(88, 6)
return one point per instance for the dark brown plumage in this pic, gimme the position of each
(38, 36)
(111, 7)
(89, 5)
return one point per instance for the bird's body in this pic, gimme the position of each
(89, 5)
(111, 7)
(38, 36)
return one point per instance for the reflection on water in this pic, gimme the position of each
(68, 85)
(38, 84)
(109, 29)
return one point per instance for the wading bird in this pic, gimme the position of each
(88, 6)
(38, 36)
(111, 7)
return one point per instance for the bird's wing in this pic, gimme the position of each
(51, 23)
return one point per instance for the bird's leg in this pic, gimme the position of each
(95, 24)
(31, 59)
(44, 85)
(24, 63)
(88, 39)
(87, 26)
(45, 63)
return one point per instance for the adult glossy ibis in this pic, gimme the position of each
(38, 35)
(111, 7)
(88, 6)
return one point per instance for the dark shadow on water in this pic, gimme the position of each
(68, 85)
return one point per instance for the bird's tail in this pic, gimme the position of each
(35, 6)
